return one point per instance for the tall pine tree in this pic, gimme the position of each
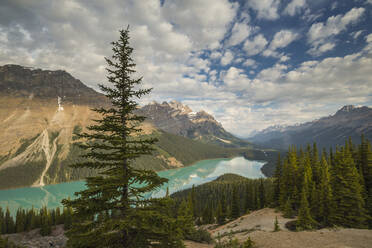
(111, 145)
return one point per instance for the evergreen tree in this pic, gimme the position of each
(288, 210)
(112, 144)
(220, 218)
(325, 203)
(185, 218)
(2, 222)
(9, 222)
(365, 165)
(304, 221)
(276, 224)
(277, 177)
(207, 215)
(235, 211)
(350, 211)
(262, 196)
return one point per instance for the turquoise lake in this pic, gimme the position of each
(180, 178)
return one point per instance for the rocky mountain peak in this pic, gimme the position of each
(346, 109)
(21, 81)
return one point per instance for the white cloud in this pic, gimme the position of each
(239, 33)
(255, 46)
(235, 79)
(227, 58)
(250, 63)
(215, 55)
(203, 21)
(320, 33)
(282, 39)
(357, 33)
(295, 7)
(266, 9)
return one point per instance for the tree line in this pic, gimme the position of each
(225, 198)
(26, 220)
(325, 189)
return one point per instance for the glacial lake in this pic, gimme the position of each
(180, 178)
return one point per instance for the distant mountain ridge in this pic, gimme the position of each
(348, 121)
(179, 119)
(20, 81)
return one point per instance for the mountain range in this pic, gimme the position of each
(40, 110)
(349, 121)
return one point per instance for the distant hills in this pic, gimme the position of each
(349, 121)
(37, 141)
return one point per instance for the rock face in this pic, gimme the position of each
(349, 121)
(179, 119)
(19, 81)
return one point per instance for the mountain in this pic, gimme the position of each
(179, 119)
(20, 81)
(40, 110)
(349, 121)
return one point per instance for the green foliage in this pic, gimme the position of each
(334, 189)
(200, 235)
(276, 225)
(112, 145)
(227, 196)
(5, 243)
(248, 243)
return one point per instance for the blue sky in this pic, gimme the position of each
(251, 64)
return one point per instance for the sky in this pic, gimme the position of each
(252, 64)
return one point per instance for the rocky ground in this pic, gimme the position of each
(33, 239)
(257, 225)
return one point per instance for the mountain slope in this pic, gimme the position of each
(349, 121)
(179, 119)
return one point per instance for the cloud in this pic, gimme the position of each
(320, 33)
(295, 7)
(235, 79)
(282, 39)
(227, 58)
(266, 9)
(239, 33)
(250, 63)
(255, 46)
(197, 19)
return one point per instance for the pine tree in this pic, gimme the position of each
(304, 221)
(277, 177)
(207, 215)
(9, 222)
(288, 210)
(325, 203)
(2, 222)
(185, 218)
(366, 172)
(112, 144)
(350, 211)
(224, 210)
(235, 211)
(262, 196)
(276, 225)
